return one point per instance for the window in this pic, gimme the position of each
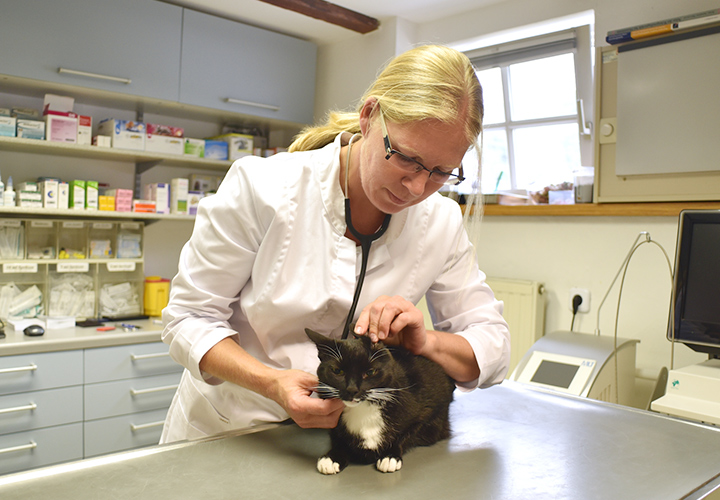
(534, 133)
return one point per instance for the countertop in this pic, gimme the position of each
(508, 442)
(79, 338)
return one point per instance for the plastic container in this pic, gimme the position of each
(157, 294)
(584, 179)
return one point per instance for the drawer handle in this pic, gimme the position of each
(95, 75)
(30, 368)
(150, 425)
(30, 446)
(254, 104)
(140, 357)
(140, 392)
(30, 407)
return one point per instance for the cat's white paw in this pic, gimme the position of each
(389, 464)
(326, 465)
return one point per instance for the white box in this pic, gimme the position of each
(124, 134)
(164, 144)
(61, 127)
(159, 192)
(49, 191)
(239, 145)
(63, 195)
(84, 131)
(179, 195)
(8, 126)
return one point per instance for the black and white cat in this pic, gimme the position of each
(393, 399)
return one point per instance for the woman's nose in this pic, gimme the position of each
(415, 183)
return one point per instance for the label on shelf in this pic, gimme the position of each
(73, 267)
(20, 267)
(115, 267)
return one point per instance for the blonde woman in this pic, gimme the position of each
(278, 250)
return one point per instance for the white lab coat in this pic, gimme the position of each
(268, 258)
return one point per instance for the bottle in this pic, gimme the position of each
(9, 194)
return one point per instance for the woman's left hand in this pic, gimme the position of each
(394, 321)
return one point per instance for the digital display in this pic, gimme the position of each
(555, 374)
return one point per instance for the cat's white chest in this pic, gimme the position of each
(365, 421)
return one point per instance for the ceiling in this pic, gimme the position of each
(277, 19)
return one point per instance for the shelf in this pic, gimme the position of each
(69, 261)
(94, 214)
(599, 209)
(111, 154)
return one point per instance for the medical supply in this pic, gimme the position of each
(194, 198)
(76, 200)
(164, 144)
(157, 294)
(72, 295)
(204, 183)
(143, 206)
(195, 147)
(9, 194)
(125, 134)
(8, 126)
(31, 129)
(48, 188)
(84, 130)
(12, 239)
(2, 192)
(72, 240)
(119, 299)
(25, 302)
(239, 145)
(216, 150)
(159, 192)
(41, 237)
(123, 199)
(91, 195)
(102, 141)
(61, 127)
(179, 195)
(106, 203)
(29, 199)
(129, 241)
(63, 195)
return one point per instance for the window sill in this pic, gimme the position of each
(600, 209)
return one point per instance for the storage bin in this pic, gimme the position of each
(41, 237)
(22, 290)
(102, 240)
(12, 239)
(71, 290)
(72, 240)
(120, 286)
(130, 240)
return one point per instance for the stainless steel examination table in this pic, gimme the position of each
(509, 442)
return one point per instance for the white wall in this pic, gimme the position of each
(560, 252)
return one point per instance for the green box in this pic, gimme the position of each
(91, 195)
(77, 195)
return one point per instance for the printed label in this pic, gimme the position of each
(102, 225)
(20, 267)
(73, 267)
(115, 267)
(41, 223)
(73, 224)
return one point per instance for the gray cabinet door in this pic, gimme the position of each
(135, 40)
(234, 67)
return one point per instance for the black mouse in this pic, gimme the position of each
(34, 331)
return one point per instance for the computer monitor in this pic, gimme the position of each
(695, 317)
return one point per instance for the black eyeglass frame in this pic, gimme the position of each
(389, 152)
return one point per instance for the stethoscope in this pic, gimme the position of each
(365, 243)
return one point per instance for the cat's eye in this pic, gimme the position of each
(371, 372)
(336, 371)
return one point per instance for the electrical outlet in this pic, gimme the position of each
(585, 304)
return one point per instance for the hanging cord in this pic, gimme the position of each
(623, 269)
(577, 300)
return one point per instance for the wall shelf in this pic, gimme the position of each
(599, 209)
(85, 214)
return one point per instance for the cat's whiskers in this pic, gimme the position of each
(384, 394)
(326, 391)
(379, 353)
(334, 352)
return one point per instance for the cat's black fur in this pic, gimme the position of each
(394, 401)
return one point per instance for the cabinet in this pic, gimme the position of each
(62, 406)
(235, 67)
(136, 42)
(41, 409)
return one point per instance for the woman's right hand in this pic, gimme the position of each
(293, 391)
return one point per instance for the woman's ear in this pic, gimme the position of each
(366, 114)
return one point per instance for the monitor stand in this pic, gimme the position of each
(693, 392)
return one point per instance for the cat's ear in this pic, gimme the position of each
(317, 338)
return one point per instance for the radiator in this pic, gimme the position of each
(524, 312)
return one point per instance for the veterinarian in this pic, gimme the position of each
(272, 253)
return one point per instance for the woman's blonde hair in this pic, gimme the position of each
(429, 81)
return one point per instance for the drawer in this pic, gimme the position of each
(123, 433)
(33, 372)
(128, 361)
(121, 397)
(36, 448)
(33, 410)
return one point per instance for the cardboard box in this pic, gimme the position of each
(106, 203)
(194, 198)
(195, 147)
(179, 196)
(63, 195)
(76, 200)
(29, 199)
(84, 131)
(123, 199)
(91, 195)
(49, 190)
(8, 126)
(204, 183)
(143, 206)
(155, 129)
(30, 129)
(159, 192)
(61, 127)
(164, 144)
(239, 145)
(124, 134)
(102, 141)
(216, 150)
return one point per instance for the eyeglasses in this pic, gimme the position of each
(408, 164)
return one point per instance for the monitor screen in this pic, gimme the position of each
(696, 315)
(555, 374)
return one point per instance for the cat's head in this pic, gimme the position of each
(355, 369)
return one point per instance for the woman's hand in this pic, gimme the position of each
(394, 321)
(293, 390)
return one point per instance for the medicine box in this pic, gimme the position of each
(106, 203)
(194, 198)
(143, 206)
(164, 144)
(8, 126)
(49, 190)
(124, 134)
(102, 141)
(179, 196)
(155, 129)
(31, 129)
(129, 240)
(63, 195)
(84, 131)
(159, 192)
(123, 199)
(61, 127)
(239, 145)
(204, 183)
(76, 199)
(91, 195)
(216, 150)
(28, 199)
(195, 147)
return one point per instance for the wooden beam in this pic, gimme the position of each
(331, 13)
